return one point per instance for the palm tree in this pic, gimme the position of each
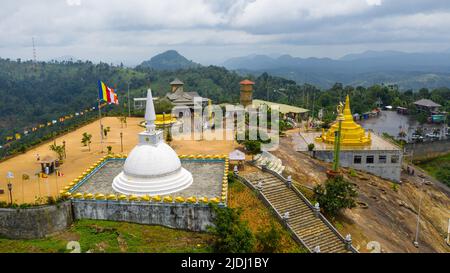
(58, 149)
(123, 120)
(86, 140)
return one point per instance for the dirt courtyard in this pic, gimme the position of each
(79, 158)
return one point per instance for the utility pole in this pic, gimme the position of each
(448, 232)
(129, 103)
(121, 142)
(416, 240)
(10, 176)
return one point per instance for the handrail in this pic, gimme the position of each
(280, 218)
(308, 203)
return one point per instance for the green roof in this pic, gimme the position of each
(284, 108)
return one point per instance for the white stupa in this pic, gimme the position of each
(152, 167)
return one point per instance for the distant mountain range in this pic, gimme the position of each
(169, 60)
(408, 70)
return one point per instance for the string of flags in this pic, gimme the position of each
(107, 95)
(18, 136)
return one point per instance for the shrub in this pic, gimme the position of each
(269, 241)
(311, 147)
(336, 195)
(232, 234)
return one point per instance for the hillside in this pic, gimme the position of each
(169, 60)
(33, 94)
(408, 70)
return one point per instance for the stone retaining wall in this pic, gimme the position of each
(180, 216)
(427, 150)
(37, 222)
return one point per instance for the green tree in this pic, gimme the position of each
(86, 140)
(337, 194)
(253, 147)
(106, 131)
(123, 120)
(163, 105)
(58, 149)
(232, 234)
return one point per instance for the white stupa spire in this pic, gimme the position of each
(150, 116)
(152, 167)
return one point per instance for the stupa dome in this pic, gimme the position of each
(152, 167)
(148, 160)
(352, 134)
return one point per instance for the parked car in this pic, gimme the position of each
(417, 138)
(433, 136)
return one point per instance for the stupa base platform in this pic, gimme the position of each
(207, 180)
(141, 186)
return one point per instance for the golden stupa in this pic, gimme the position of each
(352, 134)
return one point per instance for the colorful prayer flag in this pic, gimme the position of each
(106, 93)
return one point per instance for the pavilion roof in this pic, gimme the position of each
(236, 155)
(427, 103)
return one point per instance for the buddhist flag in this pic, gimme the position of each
(106, 93)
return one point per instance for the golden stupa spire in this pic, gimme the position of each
(352, 134)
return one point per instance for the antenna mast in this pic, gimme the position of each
(34, 53)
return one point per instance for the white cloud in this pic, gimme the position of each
(82, 25)
(374, 2)
(73, 2)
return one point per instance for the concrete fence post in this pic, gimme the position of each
(316, 249)
(289, 181)
(317, 210)
(348, 242)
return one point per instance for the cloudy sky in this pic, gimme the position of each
(130, 31)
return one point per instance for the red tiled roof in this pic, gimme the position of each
(246, 82)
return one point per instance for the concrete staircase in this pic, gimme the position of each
(269, 161)
(312, 230)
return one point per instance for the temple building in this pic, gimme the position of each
(179, 97)
(352, 133)
(360, 150)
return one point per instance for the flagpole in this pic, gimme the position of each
(101, 126)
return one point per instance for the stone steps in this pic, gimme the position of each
(302, 219)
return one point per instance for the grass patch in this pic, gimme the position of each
(108, 236)
(438, 167)
(258, 216)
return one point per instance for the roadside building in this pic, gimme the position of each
(288, 111)
(427, 106)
